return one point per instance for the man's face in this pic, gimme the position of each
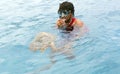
(63, 14)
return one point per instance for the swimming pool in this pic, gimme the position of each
(96, 53)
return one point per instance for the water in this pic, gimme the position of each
(96, 52)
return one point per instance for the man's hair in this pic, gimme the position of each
(66, 6)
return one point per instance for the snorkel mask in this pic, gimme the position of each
(64, 13)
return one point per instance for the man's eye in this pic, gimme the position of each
(59, 16)
(64, 12)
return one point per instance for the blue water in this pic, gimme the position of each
(98, 52)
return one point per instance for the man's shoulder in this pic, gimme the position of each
(79, 22)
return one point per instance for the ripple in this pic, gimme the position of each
(5, 73)
(2, 60)
(105, 67)
(113, 16)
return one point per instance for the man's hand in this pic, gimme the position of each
(61, 23)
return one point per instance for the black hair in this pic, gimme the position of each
(66, 6)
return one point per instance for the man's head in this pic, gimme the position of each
(65, 8)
